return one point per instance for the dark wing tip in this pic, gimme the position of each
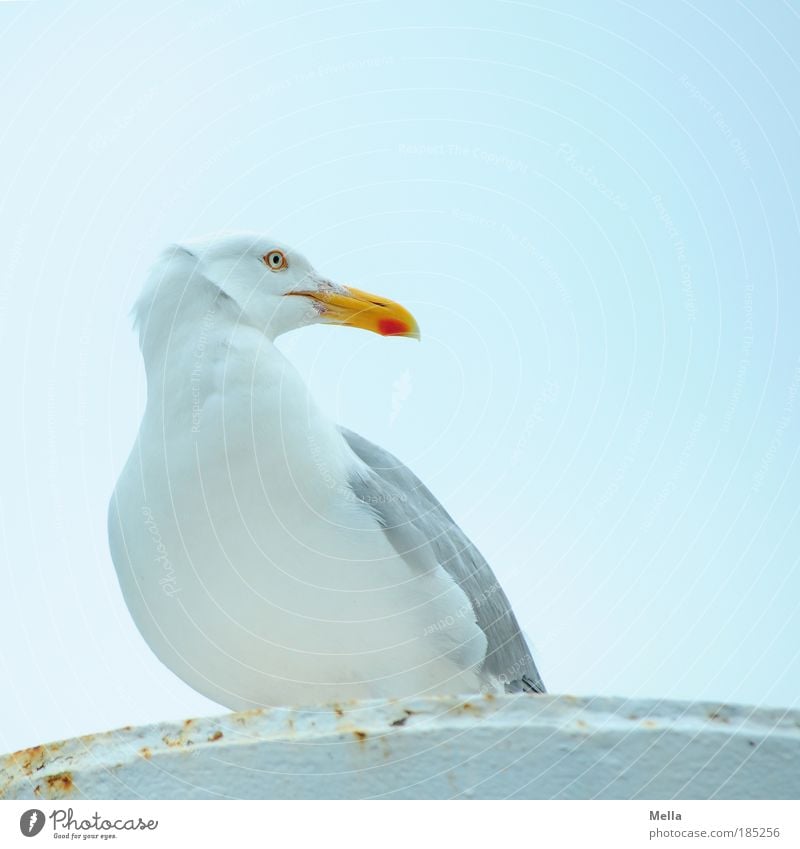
(526, 684)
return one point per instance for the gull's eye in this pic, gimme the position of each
(275, 260)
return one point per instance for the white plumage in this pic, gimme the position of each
(267, 556)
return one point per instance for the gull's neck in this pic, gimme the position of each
(216, 384)
(193, 338)
(172, 311)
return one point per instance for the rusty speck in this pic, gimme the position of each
(28, 759)
(718, 716)
(60, 783)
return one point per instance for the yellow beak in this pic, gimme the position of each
(355, 308)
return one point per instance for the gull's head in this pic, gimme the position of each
(266, 284)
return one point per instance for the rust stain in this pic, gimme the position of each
(217, 735)
(649, 723)
(718, 716)
(489, 697)
(26, 759)
(244, 716)
(403, 719)
(145, 753)
(30, 760)
(183, 738)
(338, 711)
(61, 782)
(172, 742)
(361, 736)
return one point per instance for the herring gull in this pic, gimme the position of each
(267, 555)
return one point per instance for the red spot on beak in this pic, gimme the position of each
(392, 327)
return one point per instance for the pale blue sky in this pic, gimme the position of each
(591, 209)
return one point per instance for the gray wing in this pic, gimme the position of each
(412, 517)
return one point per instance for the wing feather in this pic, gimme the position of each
(413, 518)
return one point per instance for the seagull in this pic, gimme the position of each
(268, 556)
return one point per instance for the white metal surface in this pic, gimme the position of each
(511, 746)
